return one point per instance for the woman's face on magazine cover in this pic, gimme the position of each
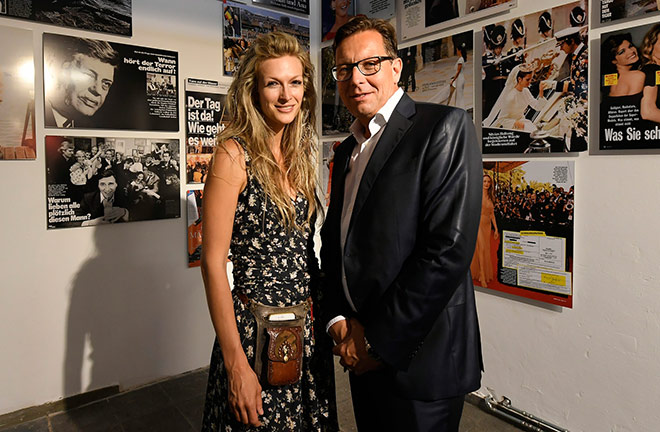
(281, 90)
(626, 54)
(340, 7)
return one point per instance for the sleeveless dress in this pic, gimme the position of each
(274, 266)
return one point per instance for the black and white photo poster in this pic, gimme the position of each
(94, 84)
(96, 181)
(612, 10)
(103, 16)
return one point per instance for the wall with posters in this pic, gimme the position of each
(89, 308)
(592, 367)
(86, 308)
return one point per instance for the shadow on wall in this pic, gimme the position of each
(124, 313)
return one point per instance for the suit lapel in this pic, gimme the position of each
(396, 127)
(339, 169)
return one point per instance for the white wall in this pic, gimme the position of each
(86, 308)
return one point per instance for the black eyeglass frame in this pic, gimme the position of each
(380, 59)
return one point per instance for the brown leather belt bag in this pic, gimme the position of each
(281, 329)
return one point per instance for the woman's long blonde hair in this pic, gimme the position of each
(298, 140)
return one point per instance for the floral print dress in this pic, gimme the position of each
(274, 265)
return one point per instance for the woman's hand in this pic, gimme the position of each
(245, 395)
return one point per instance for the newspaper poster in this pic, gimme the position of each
(419, 17)
(327, 156)
(535, 82)
(525, 239)
(94, 84)
(336, 13)
(612, 10)
(194, 210)
(113, 17)
(336, 119)
(629, 79)
(17, 129)
(242, 24)
(298, 6)
(440, 71)
(95, 180)
(206, 116)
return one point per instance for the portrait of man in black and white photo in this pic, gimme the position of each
(78, 79)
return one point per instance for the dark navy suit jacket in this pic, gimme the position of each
(408, 249)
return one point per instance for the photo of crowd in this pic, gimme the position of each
(93, 181)
(242, 24)
(161, 85)
(524, 198)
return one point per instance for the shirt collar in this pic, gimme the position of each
(379, 120)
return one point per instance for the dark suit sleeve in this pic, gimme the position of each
(333, 300)
(451, 182)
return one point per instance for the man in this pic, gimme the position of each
(59, 165)
(409, 66)
(81, 82)
(576, 84)
(494, 66)
(397, 244)
(105, 205)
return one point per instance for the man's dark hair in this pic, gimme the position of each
(361, 23)
(107, 173)
(97, 49)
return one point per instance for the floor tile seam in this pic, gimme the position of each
(189, 421)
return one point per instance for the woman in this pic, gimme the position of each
(457, 83)
(481, 266)
(621, 58)
(509, 110)
(650, 106)
(340, 9)
(260, 201)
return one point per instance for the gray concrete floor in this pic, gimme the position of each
(176, 404)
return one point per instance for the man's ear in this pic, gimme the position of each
(397, 65)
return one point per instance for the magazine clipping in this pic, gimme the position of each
(535, 82)
(102, 180)
(419, 17)
(629, 78)
(114, 17)
(94, 84)
(206, 116)
(335, 13)
(241, 24)
(336, 119)
(298, 6)
(612, 10)
(17, 129)
(327, 157)
(440, 71)
(525, 239)
(194, 210)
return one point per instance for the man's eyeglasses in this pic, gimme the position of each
(368, 66)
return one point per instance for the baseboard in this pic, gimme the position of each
(68, 403)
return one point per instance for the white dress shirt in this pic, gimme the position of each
(359, 158)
